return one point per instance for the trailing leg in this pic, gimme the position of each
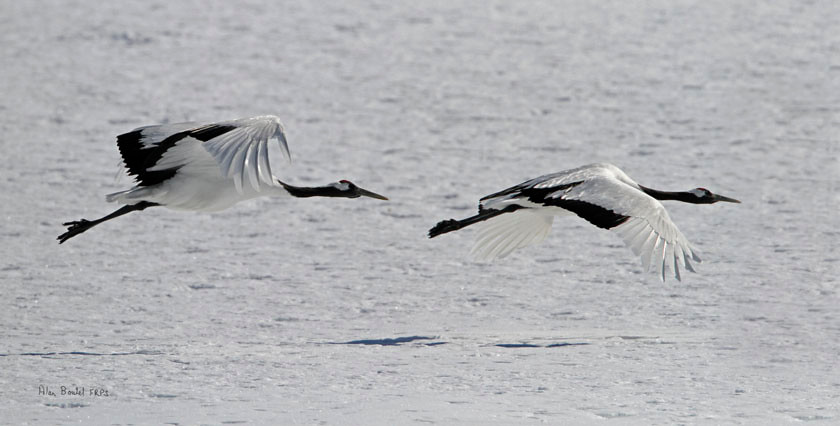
(76, 227)
(450, 225)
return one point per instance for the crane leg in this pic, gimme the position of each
(450, 225)
(76, 227)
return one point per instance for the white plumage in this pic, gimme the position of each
(600, 193)
(500, 236)
(210, 174)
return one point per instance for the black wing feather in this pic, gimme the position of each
(138, 158)
(593, 213)
(526, 190)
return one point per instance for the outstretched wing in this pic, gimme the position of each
(144, 147)
(244, 150)
(505, 233)
(238, 147)
(639, 219)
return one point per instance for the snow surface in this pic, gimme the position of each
(341, 311)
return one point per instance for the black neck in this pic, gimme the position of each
(686, 197)
(316, 191)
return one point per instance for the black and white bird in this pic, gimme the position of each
(205, 167)
(600, 193)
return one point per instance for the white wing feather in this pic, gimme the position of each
(242, 153)
(503, 234)
(649, 232)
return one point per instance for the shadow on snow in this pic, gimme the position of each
(531, 345)
(396, 341)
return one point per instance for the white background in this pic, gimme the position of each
(341, 311)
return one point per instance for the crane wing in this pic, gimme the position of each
(600, 193)
(239, 148)
(243, 151)
(501, 235)
(155, 134)
(645, 226)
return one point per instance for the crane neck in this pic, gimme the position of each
(313, 191)
(685, 197)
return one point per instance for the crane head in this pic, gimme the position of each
(350, 190)
(704, 196)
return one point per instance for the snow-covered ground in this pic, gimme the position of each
(341, 311)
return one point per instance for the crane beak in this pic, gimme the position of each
(370, 194)
(727, 199)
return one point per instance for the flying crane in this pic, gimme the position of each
(205, 167)
(600, 193)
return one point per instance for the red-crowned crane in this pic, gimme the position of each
(205, 167)
(600, 193)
